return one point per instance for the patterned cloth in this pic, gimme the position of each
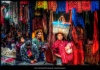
(76, 18)
(61, 6)
(86, 5)
(73, 4)
(37, 23)
(94, 6)
(52, 5)
(41, 4)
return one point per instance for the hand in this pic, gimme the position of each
(35, 60)
(32, 61)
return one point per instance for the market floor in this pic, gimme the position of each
(38, 63)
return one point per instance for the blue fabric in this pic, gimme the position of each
(61, 6)
(2, 35)
(94, 5)
(77, 19)
(59, 24)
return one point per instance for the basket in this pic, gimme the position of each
(58, 26)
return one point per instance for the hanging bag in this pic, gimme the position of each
(59, 26)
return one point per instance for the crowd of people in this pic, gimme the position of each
(26, 49)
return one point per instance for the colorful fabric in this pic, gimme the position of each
(94, 6)
(77, 19)
(44, 21)
(29, 53)
(37, 24)
(95, 35)
(24, 2)
(73, 4)
(52, 5)
(61, 6)
(86, 5)
(41, 4)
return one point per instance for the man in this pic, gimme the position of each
(29, 52)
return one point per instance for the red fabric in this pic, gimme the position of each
(80, 52)
(37, 24)
(59, 48)
(24, 2)
(2, 20)
(86, 5)
(95, 35)
(52, 5)
(79, 5)
(73, 4)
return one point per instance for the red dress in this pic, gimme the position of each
(59, 48)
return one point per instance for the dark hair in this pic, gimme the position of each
(38, 32)
(28, 43)
(62, 35)
(19, 38)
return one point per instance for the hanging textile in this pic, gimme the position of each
(61, 6)
(76, 18)
(86, 5)
(24, 2)
(44, 21)
(2, 16)
(52, 5)
(50, 36)
(73, 4)
(41, 4)
(37, 23)
(95, 35)
(94, 5)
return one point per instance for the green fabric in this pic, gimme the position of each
(35, 40)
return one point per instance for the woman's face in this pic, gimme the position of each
(59, 36)
(39, 35)
(22, 40)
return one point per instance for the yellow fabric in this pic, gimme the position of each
(34, 34)
(41, 4)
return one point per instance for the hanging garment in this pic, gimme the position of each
(61, 6)
(76, 18)
(37, 23)
(86, 5)
(50, 36)
(94, 6)
(41, 4)
(73, 4)
(52, 5)
(44, 21)
(24, 2)
(79, 53)
(95, 35)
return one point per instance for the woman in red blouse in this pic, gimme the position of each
(62, 50)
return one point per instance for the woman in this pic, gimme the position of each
(62, 50)
(38, 41)
(21, 40)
